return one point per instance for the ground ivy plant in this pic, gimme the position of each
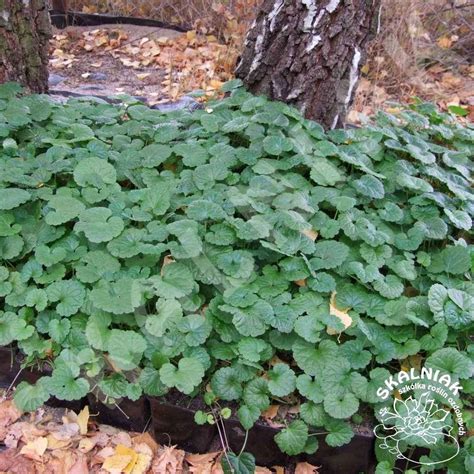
(237, 252)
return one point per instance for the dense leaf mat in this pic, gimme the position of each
(238, 251)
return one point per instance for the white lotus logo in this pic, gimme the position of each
(414, 420)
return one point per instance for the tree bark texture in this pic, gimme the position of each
(308, 53)
(24, 35)
(60, 5)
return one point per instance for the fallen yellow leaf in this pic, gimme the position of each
(142, 464)
(116, 463)
(83, 420)
(342, 315)
(55, 443)
(35, 449)
(190, 35)
(123, 450)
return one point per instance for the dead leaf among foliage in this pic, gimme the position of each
(306, 468)
(209, 463)
(341, 314)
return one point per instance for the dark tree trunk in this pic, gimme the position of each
(309, 53)
(24, 34)
(60, 5)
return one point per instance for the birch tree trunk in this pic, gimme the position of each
(24, 34)
(308, 53)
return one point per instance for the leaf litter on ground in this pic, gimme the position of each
(59, 441)
(172, 64)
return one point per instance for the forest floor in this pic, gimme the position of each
(158, 64)
(59, 441)
(162, 65)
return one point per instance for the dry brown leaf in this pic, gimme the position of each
(195, 459)
(453, 100)
(169, 461)
(353, 116)
(342, 315)
(83, 420)
(100, 439)
(301, 282)
(278, 469)
(166, 261)
(294, 409)
(86, 445)
(104, 453)
(448, 79)
(203, 463)
(55, 443)
(310, 233)
(27, 431)
(271, 412)
(35, 449)
(215, 84)
(60, 462)
(9, 413)
(262, 470)
(122, 438)
(306, 468)
(80, 466)
(10, 462)
(65, 431)
(445, 42)
(410, 362)
(109, 430)
(145, 438)
(143, 448)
